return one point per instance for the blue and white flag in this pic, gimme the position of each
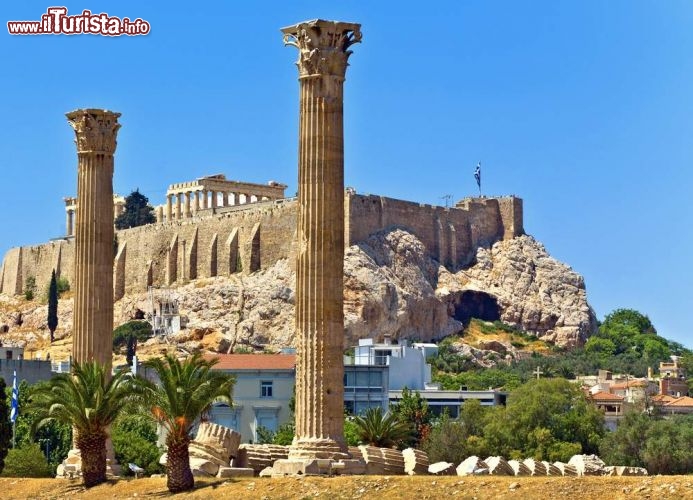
(15, 399)
(477, 175)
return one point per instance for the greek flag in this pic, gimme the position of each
(477, 175)
(15, 399)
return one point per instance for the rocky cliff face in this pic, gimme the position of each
(392, 287)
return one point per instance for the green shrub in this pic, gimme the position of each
(141, 330)
(30, 288)
(63, 285)
(27, 461)
(134, 441)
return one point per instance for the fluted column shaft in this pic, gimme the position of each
(320, 255)
(92, 338)
(70, 223)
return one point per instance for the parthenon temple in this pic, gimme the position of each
(186, 199)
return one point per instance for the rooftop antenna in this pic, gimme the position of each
(447, 198)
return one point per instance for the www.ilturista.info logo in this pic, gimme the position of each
(56, 22)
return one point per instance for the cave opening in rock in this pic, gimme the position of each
(472, 304)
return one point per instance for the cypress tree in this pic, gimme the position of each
(5, 425)
(137, 212)
(53, 305)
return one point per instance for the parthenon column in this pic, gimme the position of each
(169, 207)
(92, 337)
(214, 199)
(204, 199)
(186, 205)
(178, 206)
(322, 62)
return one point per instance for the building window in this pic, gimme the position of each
(266, 389)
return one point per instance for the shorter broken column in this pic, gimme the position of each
(415, 461)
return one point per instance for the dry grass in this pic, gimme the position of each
(474, 335)
(367, 487)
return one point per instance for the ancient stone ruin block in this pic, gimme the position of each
(442, 469)
(472, 465)
(536, 468)
(259, 456)
(498, 466)
(235, 472)
(202, 467)
(519, 468)
(415, 461)
(587, 465)
(551, 469)
(382, 461)
(565, 469)
(620, 470)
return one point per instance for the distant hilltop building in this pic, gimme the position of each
(212, 226)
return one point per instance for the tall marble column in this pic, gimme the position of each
(322, 62)
(69, 223)
(92, 337)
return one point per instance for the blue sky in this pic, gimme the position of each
(581, 108)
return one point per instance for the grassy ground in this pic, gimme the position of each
(367, 487)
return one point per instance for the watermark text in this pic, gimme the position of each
(56, 21)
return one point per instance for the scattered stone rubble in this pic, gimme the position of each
(215, 451)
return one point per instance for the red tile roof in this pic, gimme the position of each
(682, 401)
(630, 383)
(254, 361)
(663, 398)
(605, 396)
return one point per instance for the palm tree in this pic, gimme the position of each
(89, 400)
(186, 390)
(385, 431)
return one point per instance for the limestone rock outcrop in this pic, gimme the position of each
(533, 290)
(391, 286)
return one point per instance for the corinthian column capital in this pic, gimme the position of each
(323, 46)
(95, 130)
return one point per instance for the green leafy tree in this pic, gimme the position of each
(546, 419)
(54, 437)
(89, 400)
(186, 390)
(413, 408)
(138, 211)
(27, 461)
(53, 305)
(662, 446)
(449, 441)
(383, 430)
(128, 334)
(134, 441)
(351, 432)
(5, 425)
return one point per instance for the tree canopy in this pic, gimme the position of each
(138, 211)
